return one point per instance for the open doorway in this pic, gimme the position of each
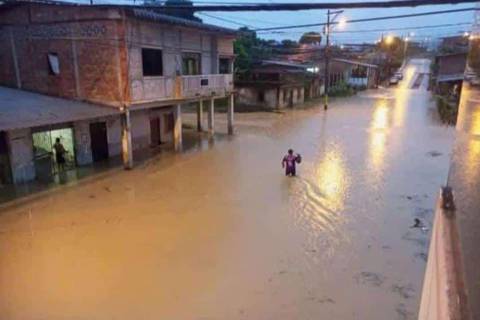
(155, 132)
(45, 159)
(99, 141)
(5, 170)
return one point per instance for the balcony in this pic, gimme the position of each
(150, 89)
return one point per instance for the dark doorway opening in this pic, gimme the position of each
(99, 141)
(155, 133)
(5, 170)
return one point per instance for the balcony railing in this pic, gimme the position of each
(151, 89)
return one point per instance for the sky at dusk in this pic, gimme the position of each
(264, 19)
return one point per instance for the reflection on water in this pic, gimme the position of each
(378, 136)
(332, 178)
(408, 77)
(318, 203)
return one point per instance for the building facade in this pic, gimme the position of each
(278, 85)
(126, 71)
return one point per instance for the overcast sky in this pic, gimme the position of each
(265, 19)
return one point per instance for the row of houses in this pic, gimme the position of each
(106, 80)
(111, 81)
(276, 84)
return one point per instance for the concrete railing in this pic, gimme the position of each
(180, 87)
(443, 296)
(206, 85)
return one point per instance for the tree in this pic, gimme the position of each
(287, 43)
(181, 13)
(248, 48)
(311, 38)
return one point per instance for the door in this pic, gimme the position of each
(155, 132)
(5, 173)
(99, 141)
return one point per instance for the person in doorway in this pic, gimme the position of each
(289, 163)
(59, 154)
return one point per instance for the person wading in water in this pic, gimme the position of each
(289, 163)
(59, 154)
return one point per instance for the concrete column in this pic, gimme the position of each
(200, 116)
(177, 128)
(230, 111)
(127, 151)
(211, 115)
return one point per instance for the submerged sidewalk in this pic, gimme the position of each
(16, 194)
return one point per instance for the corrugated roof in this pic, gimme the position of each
(150, 15)
(284, 64)
(450, 77)
(23, 109)
(356, 63)
(136, 11)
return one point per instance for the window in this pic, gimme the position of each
(152, 62)
(224, 66)
(191, 63)
(53, 64)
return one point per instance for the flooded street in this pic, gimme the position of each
(222, 234)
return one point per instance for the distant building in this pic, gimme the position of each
(454, 44)
(449, 74)
(279, 84)
(106, 79)
(354, 73)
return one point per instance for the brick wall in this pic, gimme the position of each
(92, 59)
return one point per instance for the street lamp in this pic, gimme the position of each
(327, 31)
(389, 40)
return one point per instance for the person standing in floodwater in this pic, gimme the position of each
(59, 154)
(289, 163)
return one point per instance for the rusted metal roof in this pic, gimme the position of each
(358, 63)
(136, 11)
(150, 15)
(23, 109)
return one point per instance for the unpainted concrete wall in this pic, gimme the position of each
(21, 155)
(92, 63)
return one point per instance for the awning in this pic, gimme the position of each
(450, 77)
(23, 109)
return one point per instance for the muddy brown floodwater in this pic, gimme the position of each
(222, 234)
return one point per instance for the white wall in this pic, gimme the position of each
(172, 41)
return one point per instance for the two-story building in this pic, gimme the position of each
(105, 79)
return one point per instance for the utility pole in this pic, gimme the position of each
(327, 52)
(327, 62)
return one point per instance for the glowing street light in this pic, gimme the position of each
(342, 23)
(389, 39)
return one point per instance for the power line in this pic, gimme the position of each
(449, 25)
(279, 6)
(369, 19)
(313, 5)
(226, 20)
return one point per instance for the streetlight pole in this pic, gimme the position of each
(327, 54)
(327, 62)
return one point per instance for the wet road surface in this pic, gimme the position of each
(464, 178)
(223, 234)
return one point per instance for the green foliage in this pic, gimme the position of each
(310, 37)
(249, 48)
(448, 111)
(287, 43)
(341, 89)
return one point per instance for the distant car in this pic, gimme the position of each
(399, 75)
(393, 80)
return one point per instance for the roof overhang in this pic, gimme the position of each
(22, 109)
